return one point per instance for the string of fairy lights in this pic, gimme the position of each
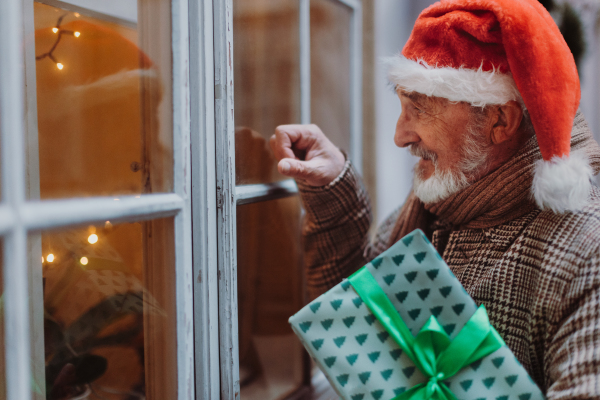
(60, 33)
(91, 239)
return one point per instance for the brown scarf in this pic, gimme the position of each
(501, 196)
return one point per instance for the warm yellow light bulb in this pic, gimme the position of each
(93, 238)
(59, 65)
(55, 30)
(84, 260)
(50, 257)
(77, 15)
(77, 34)
(42, 259)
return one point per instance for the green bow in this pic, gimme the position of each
(432, 351)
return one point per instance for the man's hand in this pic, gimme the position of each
(305, 154)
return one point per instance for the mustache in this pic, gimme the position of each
(423, 153)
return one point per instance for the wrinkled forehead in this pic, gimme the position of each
(420, 98)
(414, 96)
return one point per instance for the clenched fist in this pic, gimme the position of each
(305, 154)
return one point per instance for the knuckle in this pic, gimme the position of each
(315, 128)
(300, 169)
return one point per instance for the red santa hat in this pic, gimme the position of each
(494, 51)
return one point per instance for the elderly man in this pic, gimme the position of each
(489, 94)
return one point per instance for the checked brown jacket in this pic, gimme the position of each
(536, 272)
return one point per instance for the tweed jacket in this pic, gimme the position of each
(538, 275)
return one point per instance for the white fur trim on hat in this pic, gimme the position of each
(477, 87)
(562, 184)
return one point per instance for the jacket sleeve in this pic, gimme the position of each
(573, 357)
(336, 230)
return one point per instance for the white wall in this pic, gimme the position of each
(393, 23)
(590, 64)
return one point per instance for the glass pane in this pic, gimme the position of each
(330, 69)
(104, 102)
(109, 311)
(267, 82)
(269, 292)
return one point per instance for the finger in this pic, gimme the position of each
(312, 172)
(295, 168)
(302, 137)
(281, 143)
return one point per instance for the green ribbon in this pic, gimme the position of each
(432, 351)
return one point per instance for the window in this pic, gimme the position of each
(148, 246)
(95, 211)
(291, 60)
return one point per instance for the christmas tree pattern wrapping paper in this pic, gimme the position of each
(363, 361)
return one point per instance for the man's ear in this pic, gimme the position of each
(507, 121)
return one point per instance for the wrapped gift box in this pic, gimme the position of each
(360, 358)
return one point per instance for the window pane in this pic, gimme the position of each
(109, 311)
(269, 292)
(330, 69)
(267, 82)
(104, 100)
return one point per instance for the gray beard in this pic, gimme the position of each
(439, 186)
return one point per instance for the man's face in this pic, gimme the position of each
(437, 131)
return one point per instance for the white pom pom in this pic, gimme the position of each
(563, 184)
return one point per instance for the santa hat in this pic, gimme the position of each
(494, 51)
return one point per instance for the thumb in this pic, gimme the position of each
(295, 168)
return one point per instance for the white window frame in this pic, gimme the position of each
(19, 217)
(204, 198)
(229, 195)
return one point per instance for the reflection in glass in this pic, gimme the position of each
(109, 312)
(269, 292)
(267, 80)
(103, 102)
(330, 69)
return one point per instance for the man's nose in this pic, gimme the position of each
(405, 134)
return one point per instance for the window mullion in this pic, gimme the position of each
(354, 4)
(34, 242)
(16, 317)
(182, 188)
(246, 194)
(304, 45)
(16, 302)
(56, 213)
(204, 200)
(7, 219)
(356, 135)
(226, 207)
